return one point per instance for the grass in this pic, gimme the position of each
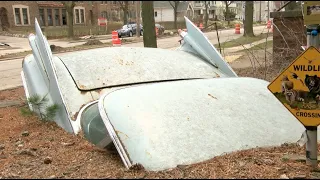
(259, 46)
(242, 41)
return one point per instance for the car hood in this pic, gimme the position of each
(167, 124)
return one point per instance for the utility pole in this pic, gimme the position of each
(260, 13)
(138, 18)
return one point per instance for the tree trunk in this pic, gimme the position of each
(175, 17)
(248, 21)
(149, 32)
(227, 13)
(125, 12)
(174, 5)
(138, 18)
(69, 5)
(206, 18)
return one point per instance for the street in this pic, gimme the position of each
(10, 70)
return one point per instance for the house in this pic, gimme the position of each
(200, 8)
(163, 11)
(111, 10)
(53, 13)
(221, 8)
(262, 6)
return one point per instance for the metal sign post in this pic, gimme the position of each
(296, 88)
(312, 142)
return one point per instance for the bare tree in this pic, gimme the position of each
(138, 17)
(293, 5)
(227, 13)
(69, 5)
(248, 21)
(124, 5)
(174, 5)
(149, 32)
(206, 18)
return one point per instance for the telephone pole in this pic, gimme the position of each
(138, 17)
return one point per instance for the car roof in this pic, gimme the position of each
(115, 66)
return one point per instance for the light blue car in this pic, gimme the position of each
(160, 108)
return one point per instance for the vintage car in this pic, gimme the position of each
(160, 108)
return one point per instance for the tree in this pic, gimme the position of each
(293, 5)
(149, 32)
(124, 5)
(227, 13)
(138, 18)
(174, 5)
(248, 21)
(69, 5)
(206, 17)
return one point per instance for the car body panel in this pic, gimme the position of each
(167, 124)
(75, 79)
(126, 65)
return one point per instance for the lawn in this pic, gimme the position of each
(260, 46)
(242, 41)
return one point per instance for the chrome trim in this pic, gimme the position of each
(26, 91)
(112, 133)
(77, 122)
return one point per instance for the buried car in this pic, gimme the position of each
(160, 108)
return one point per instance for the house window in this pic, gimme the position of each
(155, 14)
(49, 15)
(82, 15)
(21, 15)
(17, 14)
(25, 16)
(64, 16)
(42, 19)
(104, 14)
(57, 17)
(79, 15)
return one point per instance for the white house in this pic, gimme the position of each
(163, 11)
(221, 7)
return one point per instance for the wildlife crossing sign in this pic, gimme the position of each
(298, 87)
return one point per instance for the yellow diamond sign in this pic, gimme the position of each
(298, 87)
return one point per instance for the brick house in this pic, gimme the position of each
(52, 13)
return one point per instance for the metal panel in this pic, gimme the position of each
(103, 67)
(166, 124)
(200, 43)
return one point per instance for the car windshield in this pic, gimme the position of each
(125, 27)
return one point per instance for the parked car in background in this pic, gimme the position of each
(160, 28)
(129, 29)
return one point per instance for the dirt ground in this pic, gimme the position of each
(30, 148)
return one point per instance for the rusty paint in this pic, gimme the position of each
(82, 86)
(119, 132)
(148, 154)
(217, 75)
(74, 117)
(212, 96)
(98, 91)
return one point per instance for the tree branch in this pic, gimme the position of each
(172, 5)
(121, 4)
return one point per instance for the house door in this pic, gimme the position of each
(4, 22)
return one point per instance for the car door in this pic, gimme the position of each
(134, 28)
